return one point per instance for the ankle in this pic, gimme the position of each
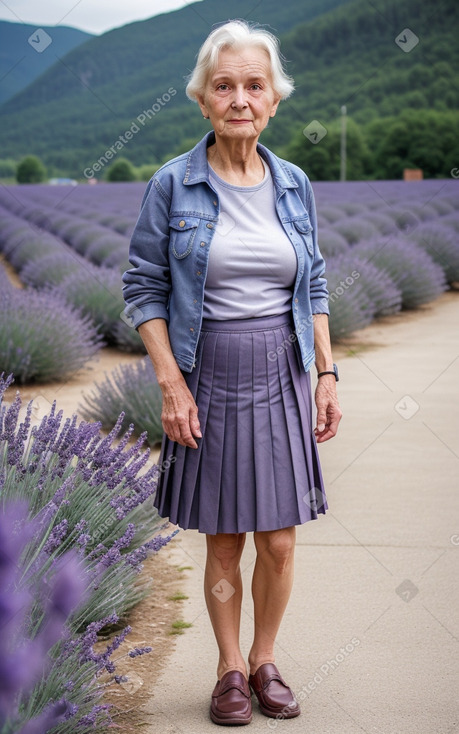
(256, 660)
(225, 668)
(231, 663)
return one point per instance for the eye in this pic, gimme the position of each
(255, 86)
(223, 87)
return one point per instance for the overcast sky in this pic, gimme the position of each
(94, 16)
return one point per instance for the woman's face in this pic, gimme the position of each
(239, 98)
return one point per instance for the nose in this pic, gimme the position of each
(239, 98)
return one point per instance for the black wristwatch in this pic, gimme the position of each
(335, 372)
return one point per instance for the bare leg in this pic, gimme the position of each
(223, 593)
(271, 586)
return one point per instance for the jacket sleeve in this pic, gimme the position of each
(318, 284)
(147, 284)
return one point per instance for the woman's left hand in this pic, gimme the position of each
(328, 410)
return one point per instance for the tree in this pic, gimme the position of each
(121, 170)
(322, 161)
(30, 170)
(8, 168)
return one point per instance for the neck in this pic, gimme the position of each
(236, 161)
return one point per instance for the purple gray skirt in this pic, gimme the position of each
(257, 465)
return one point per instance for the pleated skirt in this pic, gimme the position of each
(256, 466)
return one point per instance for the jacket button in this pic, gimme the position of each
(203, 244)
(198, 272)
(209, 225)
(182, 223)
(214, 203)
(296, 300)
(191, 328)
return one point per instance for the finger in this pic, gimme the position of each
(329, 431)
(173, 430)
(321, 420)
(324, 435)
(186, 439)
(195, 425)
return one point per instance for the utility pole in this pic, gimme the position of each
(343, 144)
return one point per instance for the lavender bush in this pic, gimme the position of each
(24, 660)
(42, 260)
(105, 248)
(442, 244)
(424, 212)
(442, 206)
(332, 243)
(412, 270)
(91, 498)
(331, 213)
(381, 290)
(383, 223)
(127, 339)
(42, 338)
(350, 208)
(134, 390)
(350, 307)
(5, 284)
(404, 218)
(98, 293)
(87, 494)
(22, 245)
(451, 221)
(97, 220)
(355, 230)
(49, 269)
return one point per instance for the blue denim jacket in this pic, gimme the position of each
(170, 245)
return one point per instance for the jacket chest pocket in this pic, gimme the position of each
(182, 233)
(304, 228)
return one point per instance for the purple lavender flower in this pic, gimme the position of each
(52, 715)
(23, 660)
(412, 270)
(133, 390)
(34, 343)
(441, 243)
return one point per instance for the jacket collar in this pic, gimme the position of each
(197, 169)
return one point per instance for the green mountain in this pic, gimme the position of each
(379, 59)
(80, 107)
(26, 51)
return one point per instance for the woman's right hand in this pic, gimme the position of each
(180, 414)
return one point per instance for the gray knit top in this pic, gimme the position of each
(252, 263)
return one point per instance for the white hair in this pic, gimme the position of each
(237, 35)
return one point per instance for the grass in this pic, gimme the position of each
(178, 596)
(179, 626)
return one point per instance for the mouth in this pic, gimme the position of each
(239, 122)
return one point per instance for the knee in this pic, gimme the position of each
(278, 549)
(226, 548)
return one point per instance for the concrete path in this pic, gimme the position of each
(370, 638)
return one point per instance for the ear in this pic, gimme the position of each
(201, 103)
(275, 106)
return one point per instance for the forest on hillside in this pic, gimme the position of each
(402, 103)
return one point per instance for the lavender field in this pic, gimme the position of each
(389, 245)
(82, 500)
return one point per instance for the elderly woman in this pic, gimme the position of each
(227, 291)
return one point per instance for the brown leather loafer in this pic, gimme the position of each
(274, 695)
(231, 700)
